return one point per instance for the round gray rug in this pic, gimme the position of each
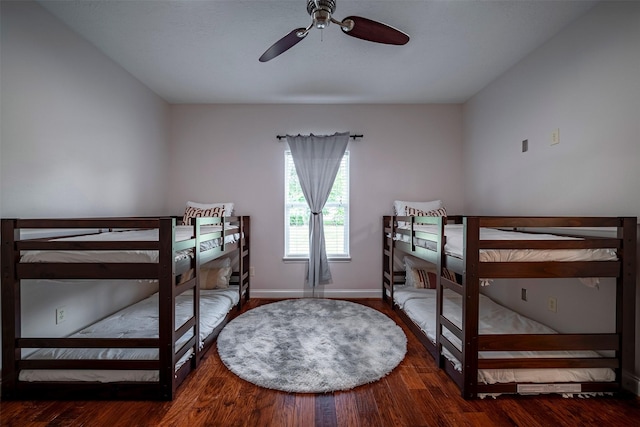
(311, 345)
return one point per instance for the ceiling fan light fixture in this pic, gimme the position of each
(321, 19)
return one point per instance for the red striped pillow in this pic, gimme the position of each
(193, 212)
(409, 211)
(424, 279)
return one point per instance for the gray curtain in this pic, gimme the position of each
(317, 161)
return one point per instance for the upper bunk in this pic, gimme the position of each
(512, 247)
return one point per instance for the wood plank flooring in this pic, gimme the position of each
(416, 393)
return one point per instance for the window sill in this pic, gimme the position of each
(304, 259)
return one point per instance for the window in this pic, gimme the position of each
(335, 214)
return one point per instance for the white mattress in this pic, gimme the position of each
(139, 320)
(454, 246)
(420, 306)
(183, 232)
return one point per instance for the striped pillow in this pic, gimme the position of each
(193, 212)
(409, 211)
(427, 279)
(423, 274)
(424, 279)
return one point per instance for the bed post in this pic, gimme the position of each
(626, 295)
(11, 327)
(470, 309)
(166, 307)
(439, 290)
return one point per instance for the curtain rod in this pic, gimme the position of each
(350, 136)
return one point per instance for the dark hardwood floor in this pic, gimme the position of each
(416, 393)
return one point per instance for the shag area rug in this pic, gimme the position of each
(312, 345)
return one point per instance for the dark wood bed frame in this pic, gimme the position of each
(621, 342)
(166, 271)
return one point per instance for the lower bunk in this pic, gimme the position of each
(137, 321)
(417, 308)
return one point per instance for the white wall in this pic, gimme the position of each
(80, 137)
(230, 153)
(586, 82)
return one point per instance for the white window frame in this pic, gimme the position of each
(289, 206)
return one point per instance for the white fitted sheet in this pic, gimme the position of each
(454, 245)
(139, 320)
(420, 306)
(183, 232)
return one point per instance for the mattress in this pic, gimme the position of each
(454, 245)
(420, 306)
(182, 232)
(139, 320)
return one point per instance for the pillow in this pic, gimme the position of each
(417, 212)
(410, 208)
(400, 207)
(419, 273)
(215, 274)
(422, 274)
(193, 212)
(228, 206)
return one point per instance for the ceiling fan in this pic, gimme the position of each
(321, 12)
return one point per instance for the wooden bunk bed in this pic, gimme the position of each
(174, 262)
(426, 238)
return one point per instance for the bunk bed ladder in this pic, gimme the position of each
(388, 275)
(244, 262)
(246, 250)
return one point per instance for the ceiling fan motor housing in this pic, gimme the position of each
(320, 11)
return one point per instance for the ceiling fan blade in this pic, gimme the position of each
(284, 44)
(374, 31)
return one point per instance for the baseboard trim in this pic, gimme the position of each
(631, 383)
(321, 293)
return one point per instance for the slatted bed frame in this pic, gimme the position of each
(165, 271)
(620, 342)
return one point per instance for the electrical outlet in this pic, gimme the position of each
(61, 315)
(523, 294)
(552, 304)
(252, 271)
(555, 136)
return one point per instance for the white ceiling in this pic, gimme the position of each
(206, 51)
